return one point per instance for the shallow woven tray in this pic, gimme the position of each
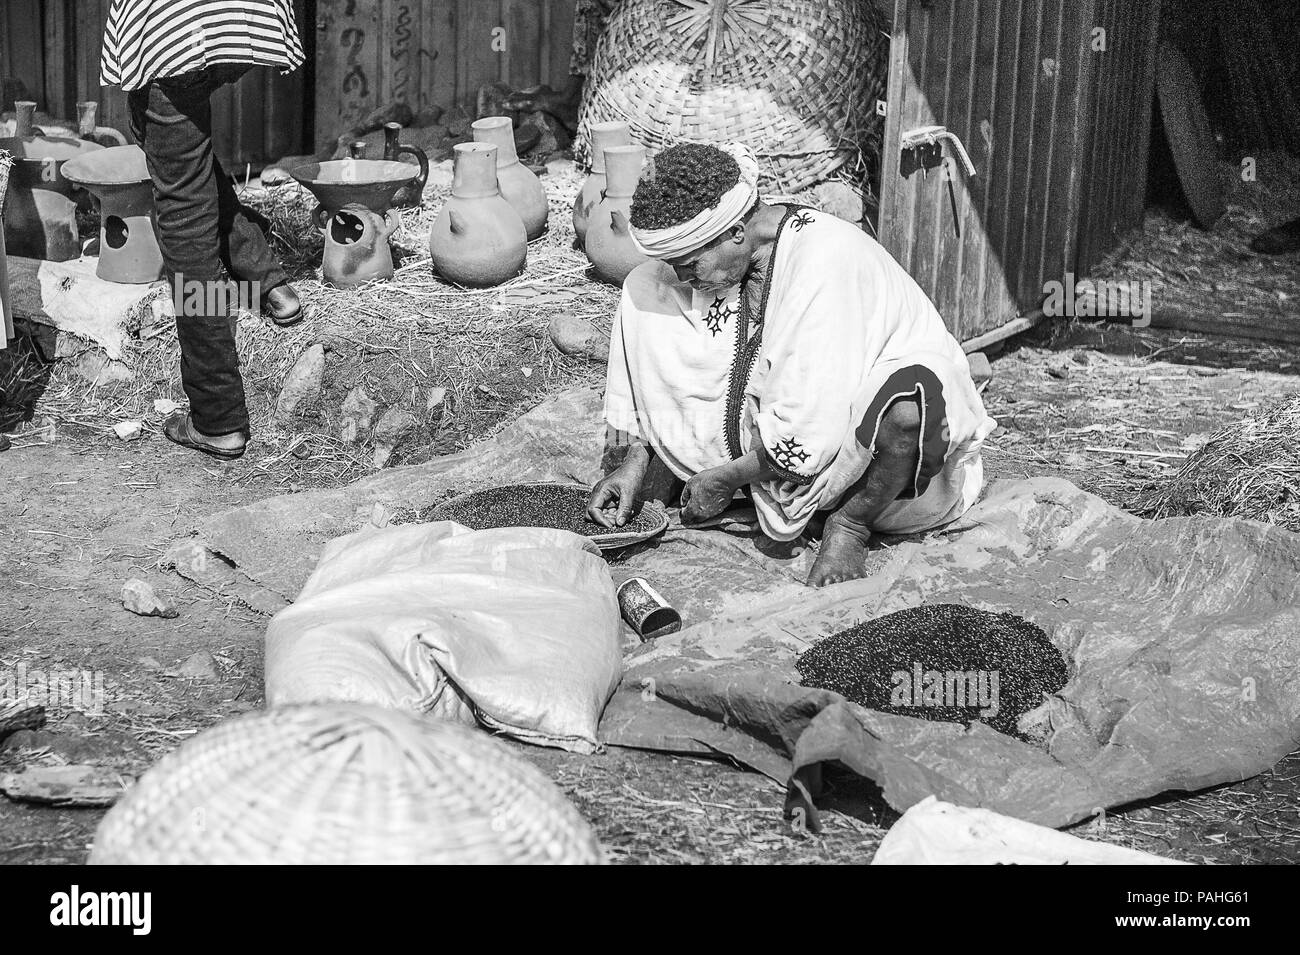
(612, 540)
(339, 784)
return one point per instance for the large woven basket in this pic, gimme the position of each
(795, 80)
(338, 784)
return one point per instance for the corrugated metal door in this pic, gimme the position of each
(1113, 160)
(1005, 76)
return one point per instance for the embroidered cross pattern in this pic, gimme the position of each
(789, 454)
(800, 219)
(717, 316)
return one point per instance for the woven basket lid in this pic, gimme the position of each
(795, 80)
(339, 784)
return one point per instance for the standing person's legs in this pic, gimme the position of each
(244, 249)
(172, 121)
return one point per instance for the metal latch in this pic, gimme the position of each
(932, 136)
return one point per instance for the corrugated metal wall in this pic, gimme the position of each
(53, 47)
(1050, 124)
(373, 53)
(1113, 167)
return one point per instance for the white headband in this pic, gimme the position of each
(703, 228)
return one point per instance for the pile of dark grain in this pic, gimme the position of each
(891, 664)
(525, 505)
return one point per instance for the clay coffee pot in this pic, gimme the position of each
(603, 135)
(609, 235)
(40, 219)
(409, 195)
(478, 238)
(519, 185)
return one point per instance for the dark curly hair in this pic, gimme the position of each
(687, 180)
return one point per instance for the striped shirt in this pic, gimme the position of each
(151, 39)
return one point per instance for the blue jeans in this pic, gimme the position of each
(205, 235)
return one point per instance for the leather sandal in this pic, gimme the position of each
(179, 429)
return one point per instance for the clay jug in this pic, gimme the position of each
(409, 195)
(40, 218)
(609, 238)
(478, 238)
(603, 135)
(519, 185)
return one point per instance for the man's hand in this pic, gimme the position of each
(707, 494)
(613, 498)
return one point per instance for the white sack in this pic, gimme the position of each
(518, 627)
(938, 833)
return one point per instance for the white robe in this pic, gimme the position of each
(845, 331)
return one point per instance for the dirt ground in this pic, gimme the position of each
(1112, 408)
(83, 513)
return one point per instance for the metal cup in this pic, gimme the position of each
(645, 609)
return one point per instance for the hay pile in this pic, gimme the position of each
(1251, 469)
(461, 362)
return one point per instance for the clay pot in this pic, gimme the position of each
(603, 136)
(409, 195)
(478, 238)
(519, 185)
(40, 218)
(609, 237)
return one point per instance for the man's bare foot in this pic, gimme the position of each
(843, 554)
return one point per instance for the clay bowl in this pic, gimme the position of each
(108, 171)
(368, 182)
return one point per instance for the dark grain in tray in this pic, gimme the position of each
(859, 663)
(521, 505)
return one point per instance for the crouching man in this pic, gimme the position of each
(781, 350)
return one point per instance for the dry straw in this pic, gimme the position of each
(795, 80)
(1250, 469)
(341, 784)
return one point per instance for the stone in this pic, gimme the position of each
(94, 366)
(491, 100)
(428, 115)
(128, 430)
(393, 427)
(435, 400)
(199, 666)
(138, 596)
(457, 121)
(358, 415)
(302, 385)
(980, 369)
(165, 407)
(280, 173)
(551, 136)
(64, 785)
(578, 337)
